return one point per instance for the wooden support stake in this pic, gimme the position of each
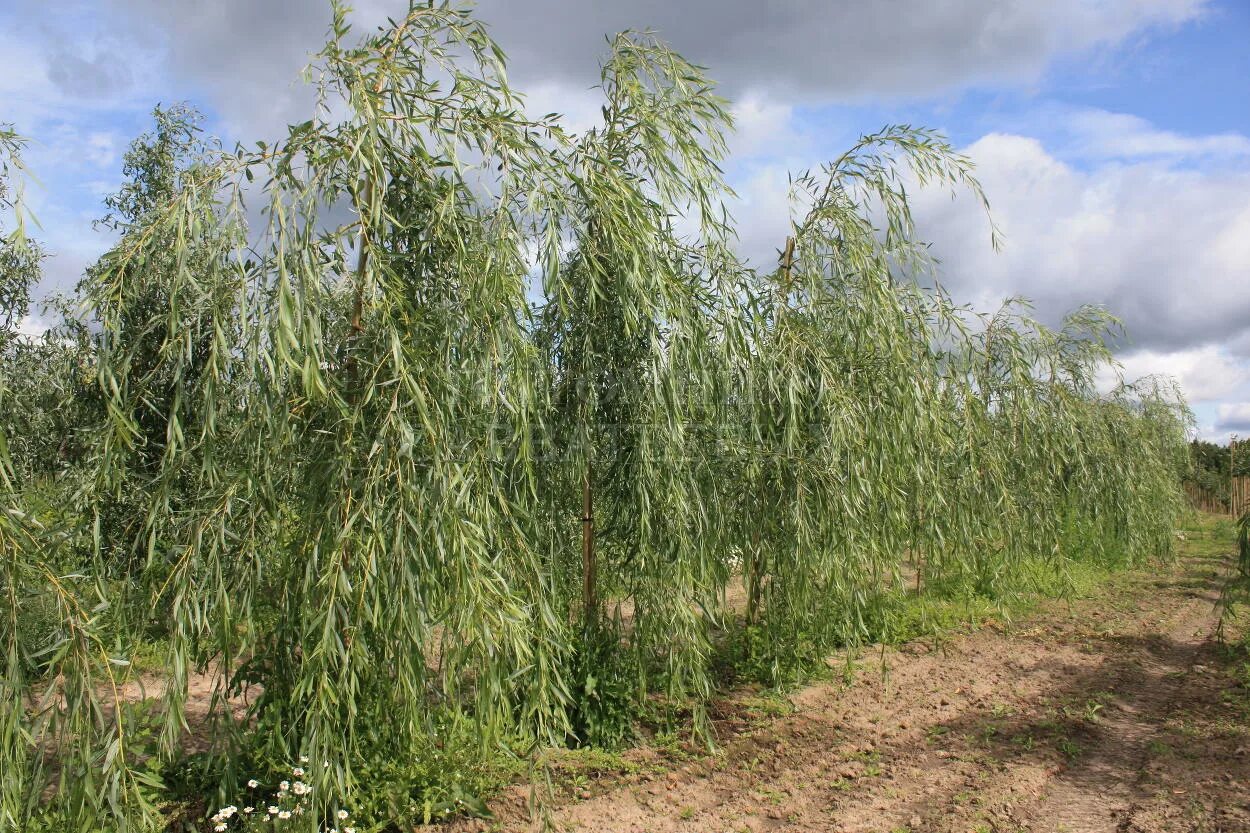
(590, 604)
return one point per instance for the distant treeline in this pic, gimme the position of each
(1214, 465)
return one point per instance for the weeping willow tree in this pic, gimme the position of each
(1140, 494)
(891, 432)
(638, 330)
(61, 725)
(845, 397)
(19, 255)
(158, 332)
(1042, 474)
(17, 530)
(352, 388)
(407, 525)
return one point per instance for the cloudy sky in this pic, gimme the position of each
(1112, 136)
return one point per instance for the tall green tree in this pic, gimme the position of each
(157, 329)
(636, 329)
(19, 255)
(355, 423)
(845, 397)
(59, 734)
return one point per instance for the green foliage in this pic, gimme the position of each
(1210, 458)
(334, 460)
(603, 681)
(20, 257)
(156, 331)
(51, 405)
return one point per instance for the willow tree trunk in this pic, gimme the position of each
(590, 602)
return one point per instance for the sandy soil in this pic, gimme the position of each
(1116, 713)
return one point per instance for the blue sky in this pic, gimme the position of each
(1113, 136)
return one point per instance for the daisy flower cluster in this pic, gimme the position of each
(276, 811)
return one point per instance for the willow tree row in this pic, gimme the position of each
(359, 471)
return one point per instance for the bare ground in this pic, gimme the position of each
(1119, 713)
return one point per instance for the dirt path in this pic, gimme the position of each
(1102, 789)
(1116, 713)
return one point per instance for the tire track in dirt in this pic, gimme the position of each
(1098, 794)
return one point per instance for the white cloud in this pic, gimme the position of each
(1205, 374)
(1163, 247)
(78, 85)
(1099, 134)
(32, 327)
(836, 49)
(765, 128)
(101, 148)
(578, 106)
(245, 55)
(1161, 244)
(762, 211)
(1233, 417)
